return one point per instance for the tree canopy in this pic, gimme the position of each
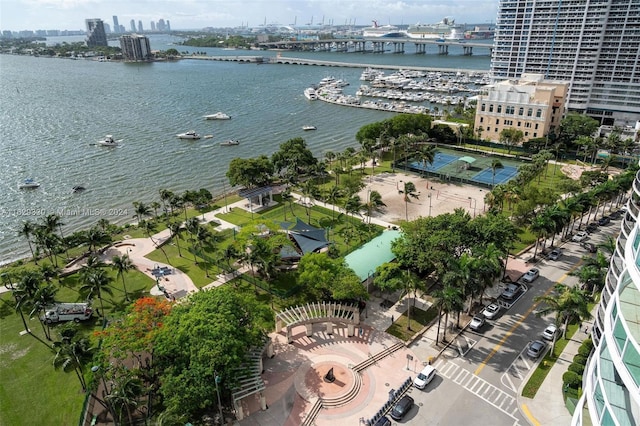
(250, 172)
(327, 278)
(212, 332)
(293, 157)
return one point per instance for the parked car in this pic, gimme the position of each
(550, 332)
(383, 421)
(604, 220)
(510, 291)
(592, 227)
(590, 247)
(536, 348)
(491, 311)
(402, 407)
(531, 275)
(615, 215)
(424, 377)
(477, 322)
(579, 237)
(555, 254)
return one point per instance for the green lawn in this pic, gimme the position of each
(419, 319)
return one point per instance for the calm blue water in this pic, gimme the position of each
(52, 111)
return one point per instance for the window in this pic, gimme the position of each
(491, 108)
(499, 109)
(483, 107)
(526, 133)
(519, 123)
(495, 130)
(539, 113)
(497, 121)
(529, 112)
(536, 126)
(482, 119)
(527, 125)
(521, 111)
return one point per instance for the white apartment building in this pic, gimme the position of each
(135, 47)
(594, 45)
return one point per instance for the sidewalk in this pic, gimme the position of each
(547, 407)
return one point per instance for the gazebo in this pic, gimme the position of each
(466, 161)
(257, 193)
(306, 238)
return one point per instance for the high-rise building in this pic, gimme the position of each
(611, 381)
(116, 25)
(135, 47)
(96, 36)
(153, 26)
(140, 29)
(160, 25)
(168, 25)
(132, 24)
(591, 44)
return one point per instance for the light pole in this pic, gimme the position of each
(429, 195)
(218, 380)
(475, 204)
(224, 193)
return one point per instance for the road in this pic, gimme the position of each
(480, 375)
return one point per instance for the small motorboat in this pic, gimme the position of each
(188, 135)
(308, 127)
(108, 141)
(217, 116)
(29, 184)
(78, 188)
(230, 142)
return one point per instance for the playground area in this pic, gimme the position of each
(474, 168)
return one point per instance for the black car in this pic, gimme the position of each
(592, 227)
(615, 215)
(402, 407)
(604, 220)
(590, 247)
(383, 421)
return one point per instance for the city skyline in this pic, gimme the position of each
(18, 15)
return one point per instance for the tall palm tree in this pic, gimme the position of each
(374, 204)
(495, 165)
(155, 206)
(333, 195)
(96, 282)
(44, 298)
(73, 355)
(409, 190)
(426, 154)
(124, 396)
(53, 223)
(95, 237)
(122, 265)
(449, 299)
(572, 304)
(141, 209)
(176, 228)
(193, 225)
(287, 199)
(310, 192)
(27, 230)
(6, 280)
(165, 197)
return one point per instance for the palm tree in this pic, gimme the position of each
(426, 154)
(540, 228)
(165, 197)
(73, 355)
(96, 282)
(374, 204)
(141, 209)
(353, 206)
(409, 192)
(44, 298)
(124, 396)
(495, 165)
(572, 304)
(310, 192)
(6, 280)
(449, 299)
(27, 230)
(192, 225)
(122, 265)
(176, 228)
(287, 199)
(333, 195)
(53, 222)
(95, 237)
(155, 206)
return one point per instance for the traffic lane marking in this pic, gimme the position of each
(519, 322)
(527, 413)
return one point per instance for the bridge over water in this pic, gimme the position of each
(377, 45)
(312, 62)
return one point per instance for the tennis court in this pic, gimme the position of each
(467, 167)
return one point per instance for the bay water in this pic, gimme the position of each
(53, 111)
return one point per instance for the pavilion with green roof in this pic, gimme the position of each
(365, 259)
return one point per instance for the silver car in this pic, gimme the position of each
(536, 348)
(491, 311)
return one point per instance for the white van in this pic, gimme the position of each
(424, 377)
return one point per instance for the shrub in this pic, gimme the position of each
(588, 343)
(577, 368)
(580, 359)
(584, 351)
(572, 379)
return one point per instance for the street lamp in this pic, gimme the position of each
(218, 379)
(429, 195)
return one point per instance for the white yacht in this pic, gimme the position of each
(217, 116)
(310, 93)
(191, 134)
(29, 184)
(108, 141)
(308, 127)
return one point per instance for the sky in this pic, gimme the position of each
(17, 15)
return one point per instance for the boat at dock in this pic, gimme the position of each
(310, 93)
(230, 142)
(191, 134)
(218, 116)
